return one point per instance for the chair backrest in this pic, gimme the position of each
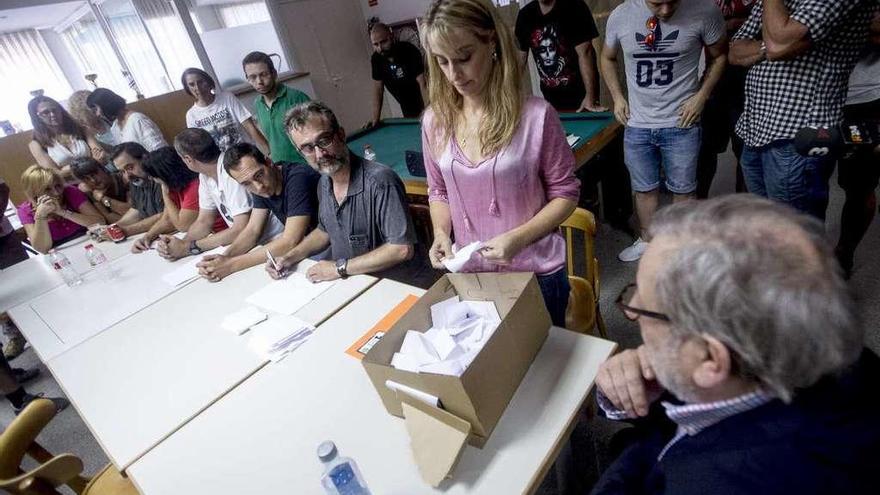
(584, 222)
(19, 439)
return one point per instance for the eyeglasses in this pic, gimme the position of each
(322, 142)
(631, 313)
(652, 24)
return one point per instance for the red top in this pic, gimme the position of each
(188, 199)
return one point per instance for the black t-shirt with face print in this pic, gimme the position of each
(552, 38)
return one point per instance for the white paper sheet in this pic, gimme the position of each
(462, 256)
(188, 271)
(243, 319)
(289, 295)
(572, 140)
(425, 397)
(461, 329)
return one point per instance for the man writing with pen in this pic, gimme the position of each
(284, 192)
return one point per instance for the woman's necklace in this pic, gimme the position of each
(469, 131)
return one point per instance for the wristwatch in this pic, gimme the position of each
(194, 248)
(342, 267)
(106, 202)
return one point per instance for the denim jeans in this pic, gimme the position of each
(555, 289)
(777, 171)
(675, 149)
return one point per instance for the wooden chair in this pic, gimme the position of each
(583, 313)
(18, 440)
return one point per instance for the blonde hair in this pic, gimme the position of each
(503, 99)
(84, 115)
(36, 179)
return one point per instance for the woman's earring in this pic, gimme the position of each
(494, 56)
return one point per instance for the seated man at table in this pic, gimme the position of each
(284, 192)
(144, 194)
(221, 199)
(362, 216)
(106, 190)
(751, 335)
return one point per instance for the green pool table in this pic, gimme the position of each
(394, 137)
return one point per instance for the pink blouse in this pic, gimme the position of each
(59, 228)
(505, 190)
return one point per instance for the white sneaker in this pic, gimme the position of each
(634, 252)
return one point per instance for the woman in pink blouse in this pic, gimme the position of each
(499, 168)
(53, 212)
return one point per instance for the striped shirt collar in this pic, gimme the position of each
(694, 418)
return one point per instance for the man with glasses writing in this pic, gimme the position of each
(363, 216)
(661, 42)
(752, 377)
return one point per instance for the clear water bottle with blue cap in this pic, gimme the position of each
(341, 474)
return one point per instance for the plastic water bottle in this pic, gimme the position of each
(62, 265)
(341, 474)
(369, 154)
(98, 262)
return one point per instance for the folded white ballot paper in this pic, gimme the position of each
(462, 256)
(243, 319)
(188, 271)
(461, 329)
(287, 296)
(278, 336)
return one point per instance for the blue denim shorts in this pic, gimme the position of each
(675, 149)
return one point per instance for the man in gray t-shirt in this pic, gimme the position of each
(362, 213)
(661, 42)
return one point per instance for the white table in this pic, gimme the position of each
(63, 317)
(138, 381)
(26, 280)
(261, 437)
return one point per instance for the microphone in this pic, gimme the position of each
(835, 141)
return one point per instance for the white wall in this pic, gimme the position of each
(329, 40)
(392, 11)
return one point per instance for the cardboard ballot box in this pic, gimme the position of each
(478, 397)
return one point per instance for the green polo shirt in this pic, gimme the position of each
(271, 122)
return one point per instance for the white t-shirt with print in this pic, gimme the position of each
(231, 199)
(222, 119)
(139, 129)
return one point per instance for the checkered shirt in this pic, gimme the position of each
(785, 96)
(694, 418)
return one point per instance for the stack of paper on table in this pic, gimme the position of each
(188, 271)
(459, 331)
(288, 295)
(276, 337)
(243, 319)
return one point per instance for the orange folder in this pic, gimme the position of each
(363, 345)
